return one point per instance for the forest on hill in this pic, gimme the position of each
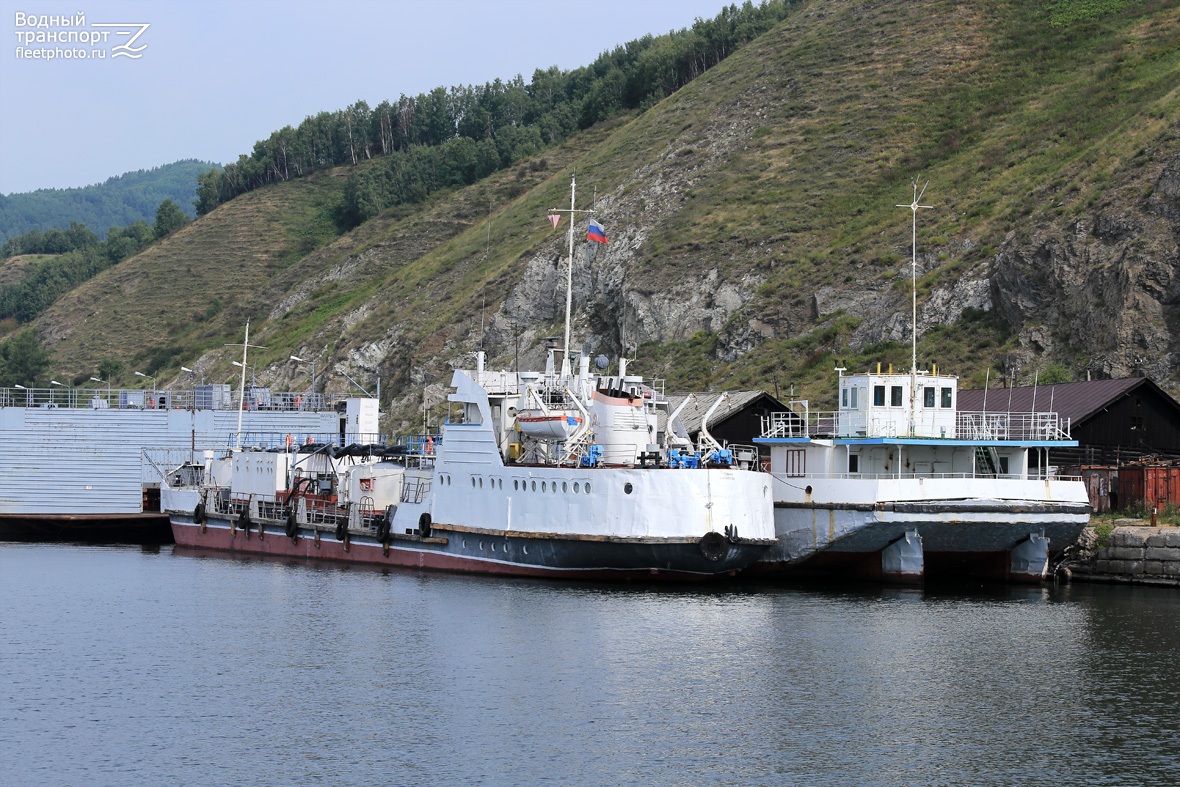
(459, 135)
(119, 201)
(754, 238)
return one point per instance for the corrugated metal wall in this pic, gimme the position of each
(77, 461)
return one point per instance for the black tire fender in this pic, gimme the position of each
(292, 525)
(341, 530)
(244, 521)
(199, 514)
(713, 546)
(424, 525)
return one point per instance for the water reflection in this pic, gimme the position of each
(207, 669)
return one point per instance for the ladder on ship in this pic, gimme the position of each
(987, 462)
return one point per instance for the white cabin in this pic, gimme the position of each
(897, 405)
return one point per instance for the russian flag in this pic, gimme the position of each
(596, 232)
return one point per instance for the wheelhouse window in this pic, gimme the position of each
(895, 396)
(946, 397)
(854, 463)
(878, 396)
(844, 397)
(928, 396)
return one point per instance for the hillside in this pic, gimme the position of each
(754, 238)
(117, 202)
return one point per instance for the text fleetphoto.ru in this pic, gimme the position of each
(56, 37)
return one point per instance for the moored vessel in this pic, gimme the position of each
(563, 473)
(484, 497)
(898, 484)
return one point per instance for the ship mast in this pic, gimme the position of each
(569, 276)
(914, 206)
(242, 385)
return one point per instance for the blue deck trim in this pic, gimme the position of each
(931, 441)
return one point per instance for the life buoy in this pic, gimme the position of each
(341, 530)
(292, 525)
(424, 525)
(199, 514)
(430, 445)
(290, 440)
(713, 546)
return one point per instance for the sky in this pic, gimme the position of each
(212, 77)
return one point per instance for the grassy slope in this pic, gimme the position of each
(796, 149)
(194, 289)
(1013, 122)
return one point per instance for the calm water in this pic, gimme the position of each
(121, 666)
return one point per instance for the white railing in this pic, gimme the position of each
(1033, 475)
(1044, 426)
(1011, 426)
(162, 399)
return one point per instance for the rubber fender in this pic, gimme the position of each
(713, 546)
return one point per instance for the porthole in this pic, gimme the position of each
(473, 482)
(515, 483)
(564, 487)
(542, 486)
(481, 483)
(481, 546)
(587, 487)
(493, 546)
(464, 543)
(534, 485)
(525, 548)
(627, 488)
(576, 487)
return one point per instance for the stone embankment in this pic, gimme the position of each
(1140, 555)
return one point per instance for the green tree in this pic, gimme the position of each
(169, 218)
(23, 359)
(1053, 373)
(108, 368)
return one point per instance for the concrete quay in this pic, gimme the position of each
(1131, 554)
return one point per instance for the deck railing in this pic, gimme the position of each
(1034, 474)
(256, 399)
(1038, 426)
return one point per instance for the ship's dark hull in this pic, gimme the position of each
(486, 552)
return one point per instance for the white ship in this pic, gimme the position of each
(561, 473)
(488, 497)
(899, 484)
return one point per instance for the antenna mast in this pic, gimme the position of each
(242, 386)
(914, 207)
(569, 275)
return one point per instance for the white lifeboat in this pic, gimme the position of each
(549, 425)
